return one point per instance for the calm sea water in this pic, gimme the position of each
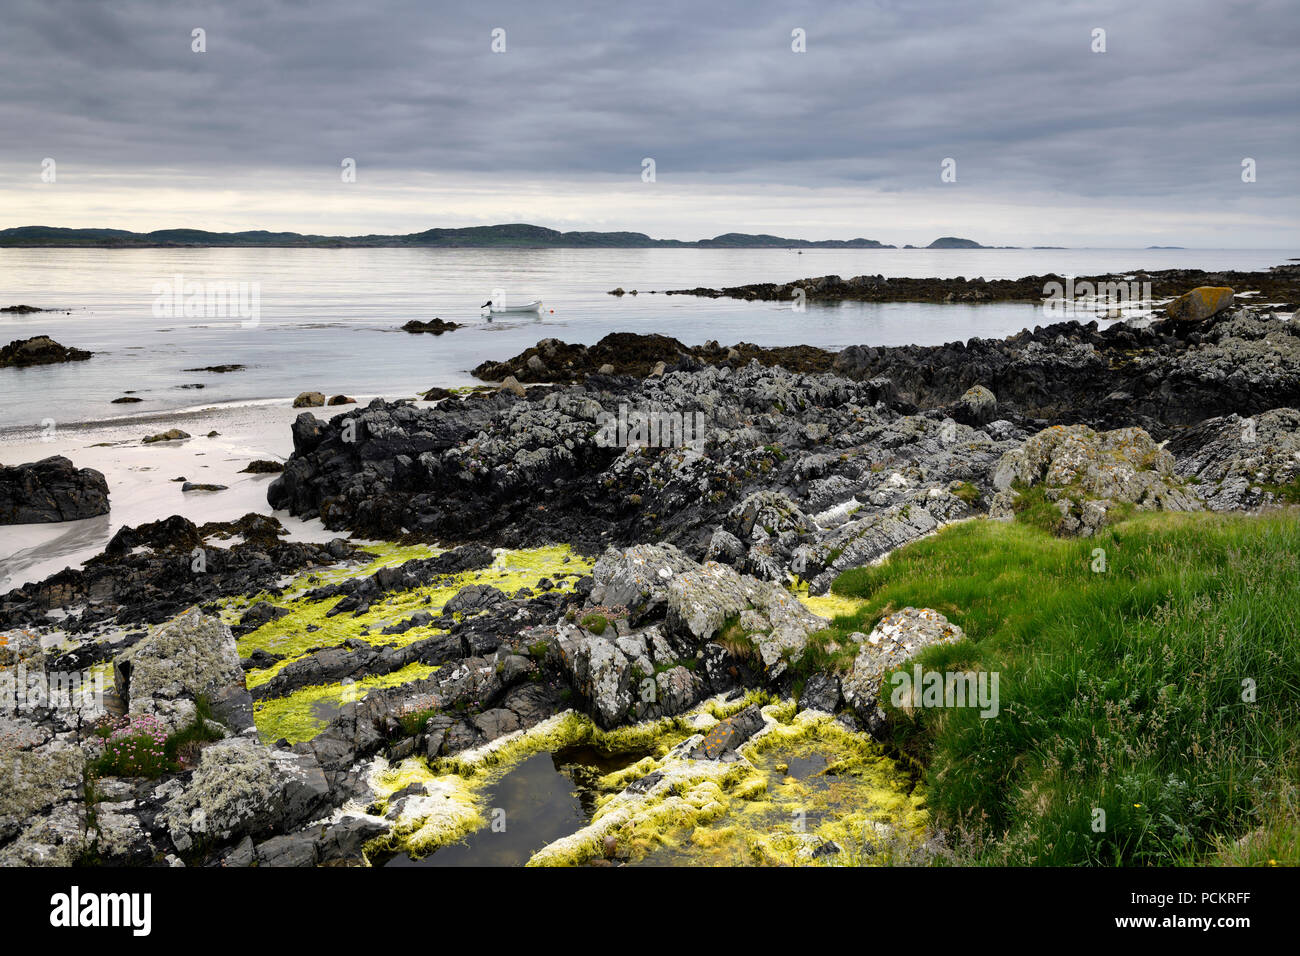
(329, 319)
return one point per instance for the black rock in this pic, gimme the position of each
(52, 489)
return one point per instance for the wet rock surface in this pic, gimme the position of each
(435, 326)
(38, 350)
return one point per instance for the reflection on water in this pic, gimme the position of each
(545, 797)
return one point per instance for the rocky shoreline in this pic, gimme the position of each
(563, 565)
(1277, 285)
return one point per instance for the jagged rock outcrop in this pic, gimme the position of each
(52, 489)
(149, 573)
(1235, 463)
(1086, 473)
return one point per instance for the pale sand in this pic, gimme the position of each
(139, 478)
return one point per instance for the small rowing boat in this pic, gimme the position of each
(534, 306)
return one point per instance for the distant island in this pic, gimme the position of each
(516, 234)
(511, 234)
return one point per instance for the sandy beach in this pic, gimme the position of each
(142, 477)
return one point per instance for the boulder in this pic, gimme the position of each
(1086, 472)
(52, 489)
(190, 656)
(894, 641)
(171, 434)
(36, 781)
(309, 400)
(202, 486)
(511, 384)
(637, 578)
(702, 601)
(629, 678)
(977, 406)
(1199, 304)
(241, 788)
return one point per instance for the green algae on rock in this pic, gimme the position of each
(308, 625)
(667, 807)
(303, 714)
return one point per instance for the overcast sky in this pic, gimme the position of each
(1054, 143)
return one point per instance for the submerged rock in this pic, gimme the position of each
(434, 326)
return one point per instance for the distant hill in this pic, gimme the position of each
(509, 234)
(952, 242)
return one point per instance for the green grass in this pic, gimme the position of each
(1289, 492)
(968, 493)
(1120, 691)
(596, 623)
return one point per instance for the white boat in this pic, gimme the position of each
(534, 306)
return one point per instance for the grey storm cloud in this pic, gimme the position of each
(885, 91)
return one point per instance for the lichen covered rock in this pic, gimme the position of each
(1085, 473)
(243, 788)
(894, 641)
(1200, 303)
(189, 657)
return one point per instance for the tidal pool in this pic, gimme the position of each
(543, 798)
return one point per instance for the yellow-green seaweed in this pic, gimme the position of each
(298, 716)
(701, 811)
(749, 812)
(289, 636)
